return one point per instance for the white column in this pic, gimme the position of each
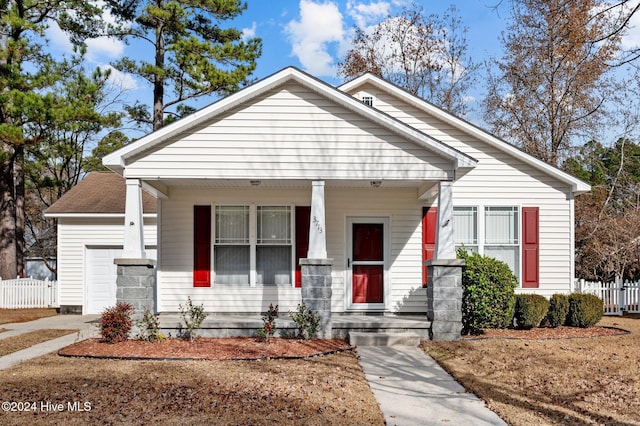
(317, 234)
(445, 246)
(133, 223)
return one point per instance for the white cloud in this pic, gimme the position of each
(97, 48)
(248, 33)
(121, 81)
(632, 38)
(104, 47)
(320, 24)
(366, 14)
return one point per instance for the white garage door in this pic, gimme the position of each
(100, 278)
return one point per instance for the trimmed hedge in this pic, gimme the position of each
(488, 296)
(530, 310)
(585, 310)
(558, 310)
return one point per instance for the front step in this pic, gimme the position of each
(358, 338)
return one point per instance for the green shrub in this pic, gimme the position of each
(488, 298)
(115, 323)
(530, 310)
(149, 327)
(585, 310)
(558, 310)
(192, 317)
(307, 321)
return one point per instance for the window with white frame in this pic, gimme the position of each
(266, 251)
(500, 230)
(465, 225)
(273, 245)
(501, 236)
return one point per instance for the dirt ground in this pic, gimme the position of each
(22, 315)
(322, 390)
(568, 381)
(26, 340)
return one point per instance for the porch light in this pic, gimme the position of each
(255, 182)
(375, 183)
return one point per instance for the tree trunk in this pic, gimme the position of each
(18, 174)
(158, 84)
(8, 267)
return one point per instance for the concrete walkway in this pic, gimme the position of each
(412, 389)
(85, 324)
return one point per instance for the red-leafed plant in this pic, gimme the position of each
(269, 320)
(115, 323)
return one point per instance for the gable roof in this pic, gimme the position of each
(577, 185)
(99, 193)
(118, 160)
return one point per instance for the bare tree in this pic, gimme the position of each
(425, 55)
(554, 81)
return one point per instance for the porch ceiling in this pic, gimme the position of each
(244, 183)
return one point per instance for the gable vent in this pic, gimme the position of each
(367, 100)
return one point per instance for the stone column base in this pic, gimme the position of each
(444, 298)
(316, 291)
(136, 284)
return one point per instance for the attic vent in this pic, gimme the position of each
(367, 100)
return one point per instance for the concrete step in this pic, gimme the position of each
(407, 338)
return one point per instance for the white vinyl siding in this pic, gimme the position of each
(291, 133)
(399, 204)
(499, 179)
(75, 235)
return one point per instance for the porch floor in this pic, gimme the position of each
(246, 325)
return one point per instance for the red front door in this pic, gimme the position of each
(367, 263)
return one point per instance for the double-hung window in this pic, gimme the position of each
(465, 225)
(273, 245)
(253, 245)
(501, 236)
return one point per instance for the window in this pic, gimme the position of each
(232, 246)
(273, 245)
(501, 236)
(465, 225)
(253, 245)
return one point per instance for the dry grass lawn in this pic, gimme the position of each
(26, 340)
(552, 382)
(315, 391)
(8, 316)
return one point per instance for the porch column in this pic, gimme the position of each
(316, 268)
(317, 235)
(444, 286)
(133, 223)
(445, 246)
(136, 279)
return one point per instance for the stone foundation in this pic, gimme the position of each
(136, 284)
(316, 291)
(444, 298)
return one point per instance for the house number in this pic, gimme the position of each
(316, 222)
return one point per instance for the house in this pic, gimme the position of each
(90, 235)
(351, 188)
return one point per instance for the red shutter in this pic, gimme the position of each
(303, 219)
(429, 220)
(530, 247)
(202, 246)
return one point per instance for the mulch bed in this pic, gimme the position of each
(562, 332)
(228, 348)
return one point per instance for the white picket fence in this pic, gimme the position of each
(28, 293)
(618, 296)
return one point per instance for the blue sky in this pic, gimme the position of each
(313, 35)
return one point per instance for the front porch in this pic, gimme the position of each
(240, 325)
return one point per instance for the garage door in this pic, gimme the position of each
(100, 278)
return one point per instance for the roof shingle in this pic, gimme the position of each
(99, 193)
